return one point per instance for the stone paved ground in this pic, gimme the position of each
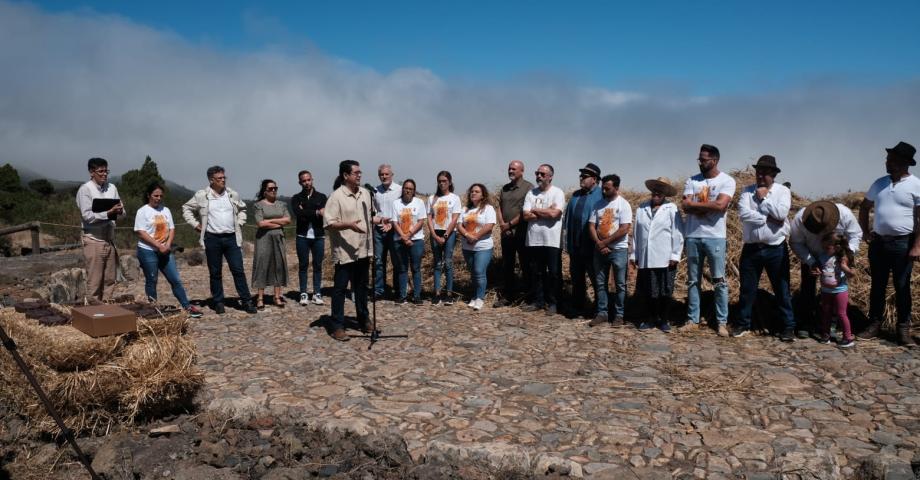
(531, 390)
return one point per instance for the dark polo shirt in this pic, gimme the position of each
(511, 199)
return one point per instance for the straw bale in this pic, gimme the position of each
(152, 375)
(62, 348)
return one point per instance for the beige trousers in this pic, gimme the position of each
(101, 262)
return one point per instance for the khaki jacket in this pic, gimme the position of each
(199, 204)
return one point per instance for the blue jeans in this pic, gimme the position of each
(223, 245)
(602, 264)
(698, 251)
(305, 248)
(152, 263)
(478, 263)
(383, 244)
(407, 256)
(755, 258)
(444, 261)
(888, 256)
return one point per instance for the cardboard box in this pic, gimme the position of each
(103, 320)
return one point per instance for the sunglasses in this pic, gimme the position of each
(540, 174)
(271, 189)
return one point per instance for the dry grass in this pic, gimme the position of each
(152, 374)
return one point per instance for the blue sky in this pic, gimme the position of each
(695, 47)
(270, 88)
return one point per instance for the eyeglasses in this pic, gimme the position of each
(219, 179)
(271, 189)
(101, 171)
(540, 174)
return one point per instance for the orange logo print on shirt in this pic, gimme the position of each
(605, 225)
(704, 194)
(405, 220)
(160, 228)
(469, 222)
(440, 214)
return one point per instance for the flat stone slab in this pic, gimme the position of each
(508, 387)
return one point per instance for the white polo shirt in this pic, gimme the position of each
(894, 205)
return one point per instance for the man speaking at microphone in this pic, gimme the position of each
(347, 221)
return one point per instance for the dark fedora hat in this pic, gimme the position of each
(821, 217)
(767, 161)
(661, 185)
(903, 150)
(591, 169)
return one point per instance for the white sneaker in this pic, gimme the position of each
(472, 303)
(304, 299)
(317, 299)
(478, 304)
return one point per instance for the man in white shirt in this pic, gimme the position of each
(894, 239)
(384, 195)
(99, 230)
(218, 214)
(764, 210)
(805, 232)
(543, 208)
(608, 229)
(706, 200)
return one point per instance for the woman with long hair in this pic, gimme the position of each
(269, 261)
(476, 230)
(155, 230)
(444, 208)
(409, 241)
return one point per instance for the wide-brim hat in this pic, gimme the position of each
(661, 185)
(767, 161)
(903, 150)
(821, 217)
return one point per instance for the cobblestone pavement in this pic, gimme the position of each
(531, 390)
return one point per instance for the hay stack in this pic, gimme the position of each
(150, 374)
(64, 349)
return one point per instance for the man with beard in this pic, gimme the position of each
(578, 243)
(706, 199)
(542, 209)
(764, 210)
(894, 240)
(513, 232)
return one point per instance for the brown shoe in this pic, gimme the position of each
(904, 336)
(723, 331)
(617, 322)
(598, 320)
(871, 331)
(340, 335)
(688, 327)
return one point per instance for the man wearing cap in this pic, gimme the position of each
(578, 243)
(894, 239)
(807, 229)
(513, 232)
(542, 209)
(764, 209)
(658, 242)
(706, 199)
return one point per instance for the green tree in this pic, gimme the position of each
(134, 182)
(9, 179)
(42, 186)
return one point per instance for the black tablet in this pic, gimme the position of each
(104, 204)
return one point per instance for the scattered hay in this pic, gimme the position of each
(151, 374)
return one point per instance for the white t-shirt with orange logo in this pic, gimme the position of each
(407, 214)
(608, 215)
(473, 220)
(702, 189)
(442, 209)
(157, 222)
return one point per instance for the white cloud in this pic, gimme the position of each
(83, 84)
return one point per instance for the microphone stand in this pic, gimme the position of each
(375, 335)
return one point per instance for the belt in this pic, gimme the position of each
(889, 238)
(761, 246)
(219, 234)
